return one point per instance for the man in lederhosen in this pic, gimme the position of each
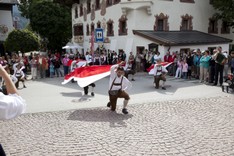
(159, 74)
(117, 87)
(19, 74)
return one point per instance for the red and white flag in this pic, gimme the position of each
(151, 68)
(79, 62)
(87, 75)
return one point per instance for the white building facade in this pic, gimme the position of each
(121, 18)
(6, 18)
(6, 21)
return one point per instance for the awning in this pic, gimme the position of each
(170, 38)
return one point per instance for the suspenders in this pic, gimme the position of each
(117, 83)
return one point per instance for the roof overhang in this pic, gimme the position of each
(12, 2)
(176, 38)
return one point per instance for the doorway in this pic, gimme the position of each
(211, 49)
(140, 49)
(153, 47)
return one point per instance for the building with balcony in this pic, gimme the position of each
(6, 20)
(157, 25)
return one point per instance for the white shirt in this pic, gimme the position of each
(128, 66)
(11, 106)
(158, 70)
(73, 65)
(156, 58)
(88, 58)
(19, 72)
(126, 84)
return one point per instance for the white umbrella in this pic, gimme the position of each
(66, 47)
(72, 46)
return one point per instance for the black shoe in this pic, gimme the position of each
(108, 104)
(214, 84)
(25, 86)
(92, 93)
(163, 88)
(133, 79)
(125, 111)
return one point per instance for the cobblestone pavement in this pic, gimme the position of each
(194, 127)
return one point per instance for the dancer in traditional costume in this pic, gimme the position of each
(117, 87)
(159, 74)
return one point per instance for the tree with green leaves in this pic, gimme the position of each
(225, 10)
(51, 21)
(22, 40)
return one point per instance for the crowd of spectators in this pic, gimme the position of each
(193, 64)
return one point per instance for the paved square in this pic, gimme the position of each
(191, 127)
(189, 118)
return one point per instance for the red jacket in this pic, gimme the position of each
(168, 58)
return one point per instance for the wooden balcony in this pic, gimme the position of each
(136, 5)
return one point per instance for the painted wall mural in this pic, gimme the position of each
(103, 7)
(3, 29)
(93, 13)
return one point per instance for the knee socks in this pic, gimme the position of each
(125, 103)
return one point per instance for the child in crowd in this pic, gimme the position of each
(185, 69)
(51, 70)
(179, 69)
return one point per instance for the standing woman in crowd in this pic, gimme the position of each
(138, 61)
(109, 57)
(204, 66)
(174, 63)
(65, 64)
(226, 65)
(148, 59)
(189, 61)
(103, 59)
(56, 62)
(115, 58)
(97, 59)
(34, 65)
(212, 67)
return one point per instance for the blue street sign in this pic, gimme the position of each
(99, 37)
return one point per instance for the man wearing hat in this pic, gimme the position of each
(117, 87)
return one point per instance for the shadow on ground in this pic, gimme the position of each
(100, 115)
(143, 84)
